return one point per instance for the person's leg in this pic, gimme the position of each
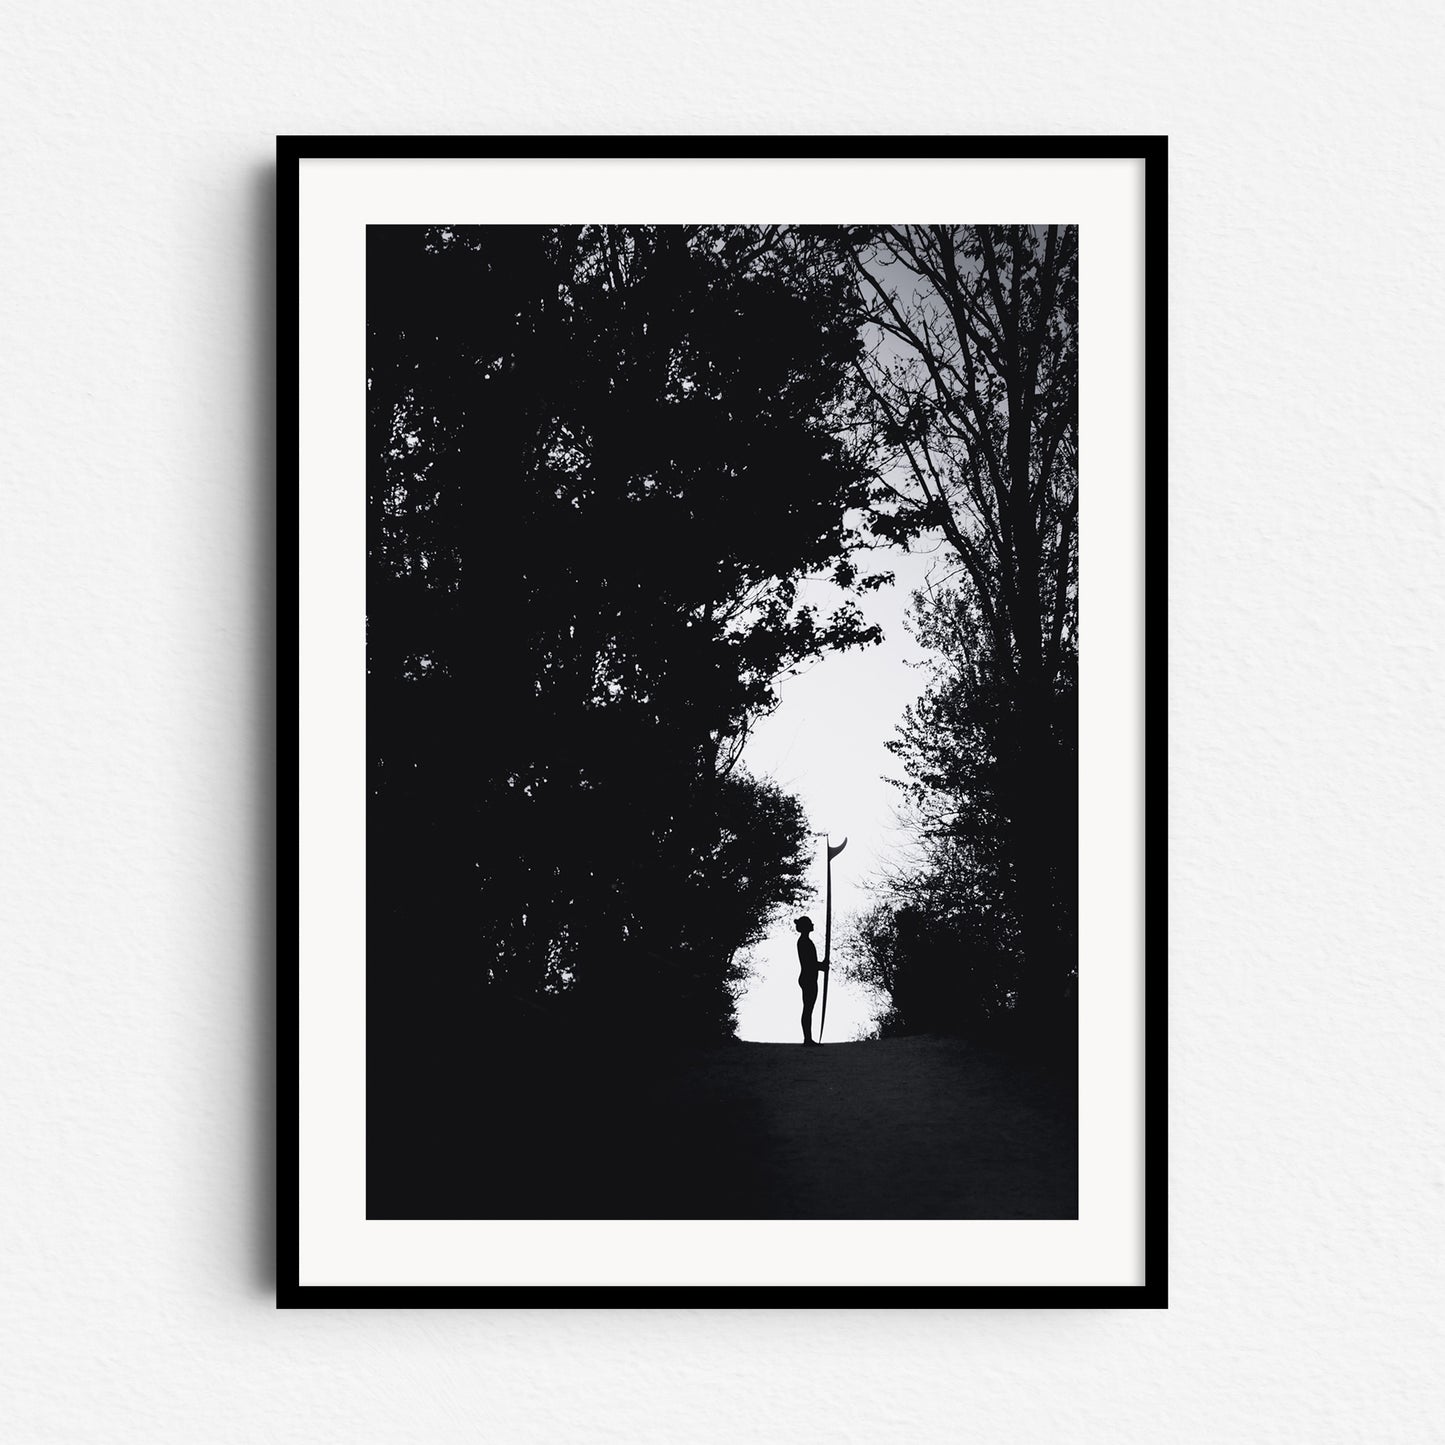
(810, 997)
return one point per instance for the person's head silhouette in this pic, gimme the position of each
(803, 924)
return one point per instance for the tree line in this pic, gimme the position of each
(602, 462)
(972, 380)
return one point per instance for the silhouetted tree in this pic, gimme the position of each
(602, 460)
(973, 383)
(941, 966)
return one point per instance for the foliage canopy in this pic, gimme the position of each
(602, 462)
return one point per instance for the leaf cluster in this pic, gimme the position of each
(603, 461)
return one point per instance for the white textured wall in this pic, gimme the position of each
(1306, 620)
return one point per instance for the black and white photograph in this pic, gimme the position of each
(724, 703)
(721, 724)
(722, 637)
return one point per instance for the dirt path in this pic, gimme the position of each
(917, 1128)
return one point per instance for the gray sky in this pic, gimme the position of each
(825, 742)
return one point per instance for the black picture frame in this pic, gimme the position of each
(291, 152)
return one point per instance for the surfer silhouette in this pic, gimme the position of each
(808, 966)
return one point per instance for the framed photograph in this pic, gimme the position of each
(723, 595)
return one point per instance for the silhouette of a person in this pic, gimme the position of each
(808, 967)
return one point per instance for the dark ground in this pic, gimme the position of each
(910, 1128)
